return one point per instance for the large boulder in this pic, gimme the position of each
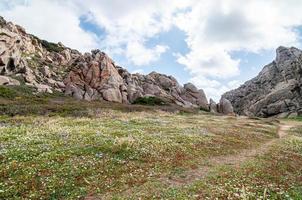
(195, 96)
(96, 75)
(213, 106)
(225, 107)
(113, 95)
(4, 80)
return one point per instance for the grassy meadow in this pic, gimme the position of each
(53, 147)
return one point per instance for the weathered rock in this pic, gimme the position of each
(195, 96)
(43, 88)
(112, 95)
(225, 107)
(46, 72)
(4, 80)
(276, 91)
(213, 106)
(25, 55)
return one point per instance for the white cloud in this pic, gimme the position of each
(139, 71)
(216, 28)
(140, 55)
(129, 25)
(234, 83)
(53, 21)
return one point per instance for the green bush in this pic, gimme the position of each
(52, 47)
(3, 34)
(49, 46)
(151, 101)
(204, 109)
(8, 93)
(11, 92)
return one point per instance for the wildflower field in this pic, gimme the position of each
(146, 154)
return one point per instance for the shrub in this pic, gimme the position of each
(49, 46)
(151, 101)
(52, 47)
(11, 92)
(8, 93)
(204, 109)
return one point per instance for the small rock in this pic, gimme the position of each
(46, 72)
(4, 80)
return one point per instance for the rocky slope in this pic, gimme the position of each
(276, 91)
(49, 67)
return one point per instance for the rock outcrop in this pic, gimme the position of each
(276, 91)
(40, 64)
(50, 67)
(95, 76)
(225, 107)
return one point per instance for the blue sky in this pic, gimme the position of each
(215, 44)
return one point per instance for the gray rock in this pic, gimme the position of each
(225, 107)
(191, 88)
(46, 72)
(276, 91)
(4, 80)
(213, 106)
(112, 95)
(43, 88)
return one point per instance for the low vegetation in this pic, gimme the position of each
(49, 46)
(151, 101)
(53, 147)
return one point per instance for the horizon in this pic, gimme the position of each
(216, 45)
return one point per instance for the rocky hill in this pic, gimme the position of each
(276, 91)
(48, 67)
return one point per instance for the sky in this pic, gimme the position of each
(215, 44)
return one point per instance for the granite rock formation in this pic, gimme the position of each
(276, 91)
(50, 67)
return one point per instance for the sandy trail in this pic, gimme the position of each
(232, 160)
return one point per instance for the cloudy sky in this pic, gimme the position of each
(215, 44)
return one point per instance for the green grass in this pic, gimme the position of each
(6, 92)
(24, 100)
(20, 91)
(54, 147)
(106, 154)
(299, 118)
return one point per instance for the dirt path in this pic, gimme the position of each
(232, 160)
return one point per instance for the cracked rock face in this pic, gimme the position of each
(95, 76)
(276, 91)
